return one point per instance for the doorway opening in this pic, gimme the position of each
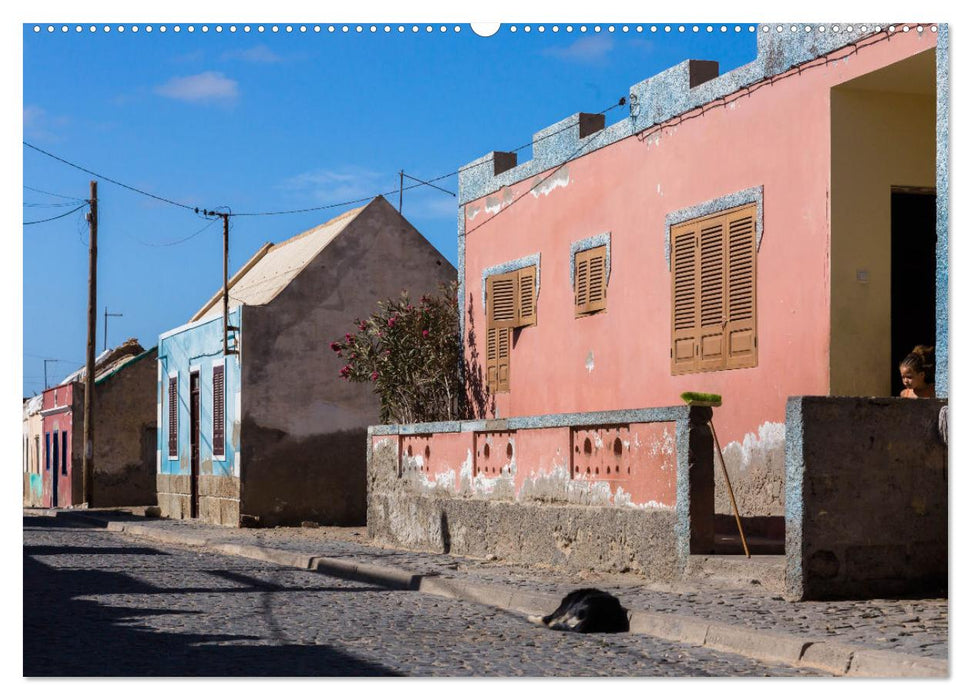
(194, 443)
(913, 274)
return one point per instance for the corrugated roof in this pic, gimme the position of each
(274, 266)
(108, 361)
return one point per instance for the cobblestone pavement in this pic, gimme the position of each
(99, 603)
(911, 626)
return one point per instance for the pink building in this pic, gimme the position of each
(63, 436)
(766, 233)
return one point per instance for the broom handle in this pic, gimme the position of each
(721, 460)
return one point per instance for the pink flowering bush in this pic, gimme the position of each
(411, 355)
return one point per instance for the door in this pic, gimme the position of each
(913, 275)
(194, 444)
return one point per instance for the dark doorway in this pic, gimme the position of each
(194, 442)
(913, 275)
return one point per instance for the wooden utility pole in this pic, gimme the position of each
(87, 462)
(226, 326)
(401, 189)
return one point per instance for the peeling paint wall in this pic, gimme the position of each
(633, 180)
(520, 489)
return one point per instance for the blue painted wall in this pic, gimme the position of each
(182, 350)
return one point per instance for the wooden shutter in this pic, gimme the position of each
(684, 299)
(590, 280)
(502, 300)
(740, 329)
(219, 410)
(492, 356)
(527, 296)
(173, 417)
(497, 359)
(502, 358)
(713, 292)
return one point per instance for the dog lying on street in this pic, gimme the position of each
(586, 610)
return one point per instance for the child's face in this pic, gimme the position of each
(911, 379)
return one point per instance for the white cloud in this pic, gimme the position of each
(327, 186)
(203, 87)
(38, 124)
(257, 54)
(586, 49)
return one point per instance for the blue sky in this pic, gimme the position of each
(269, 121)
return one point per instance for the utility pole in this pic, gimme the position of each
(106, 325)
(87, 462)
(45, 371)
(401, 188)
(226, 326)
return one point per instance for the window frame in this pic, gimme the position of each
(172, 397)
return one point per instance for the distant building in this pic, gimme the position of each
(269, 433)
(124, 434)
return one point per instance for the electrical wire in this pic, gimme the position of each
(108, 179)
(52, 194)
(52, 204)
(41, 221)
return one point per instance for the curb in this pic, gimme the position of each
(832, 657)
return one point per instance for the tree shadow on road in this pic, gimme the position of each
(67, 636)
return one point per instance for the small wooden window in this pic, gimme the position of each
(173, 416)
(510, 303)
(511, 298)
(219, 411)
(713, 284)
(590, 280)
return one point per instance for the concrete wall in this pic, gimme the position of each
(530, 499)
(199, 346)
(880, 139)
(866, 497)
(769, 144)
(304, 446)
(125, 435)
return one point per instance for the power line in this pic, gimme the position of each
(41, 221)
(52, 204)
(53, 194)
(108, 179)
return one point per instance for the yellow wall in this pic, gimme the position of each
(879, 140)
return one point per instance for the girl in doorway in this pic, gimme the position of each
(917, 373)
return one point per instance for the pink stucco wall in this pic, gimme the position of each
(777, 137)
(629, 465)
(63, 422)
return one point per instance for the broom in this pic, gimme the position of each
(696, 398)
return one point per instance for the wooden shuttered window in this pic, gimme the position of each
(590, 280)
(219, 410)
(497, 358)
(510, 303)
(713, 287)
(173, 416)
(511, 298)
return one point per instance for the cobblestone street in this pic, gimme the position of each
(100, 604)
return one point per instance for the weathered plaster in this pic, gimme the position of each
(756, 468)
(713, 206)
(601, 239)
(509, 266)
(941, 353)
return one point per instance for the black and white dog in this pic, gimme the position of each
(587, 610)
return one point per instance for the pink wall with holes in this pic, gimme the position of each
(637, 462)
(777, 137)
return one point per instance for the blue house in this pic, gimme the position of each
(267, 433)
